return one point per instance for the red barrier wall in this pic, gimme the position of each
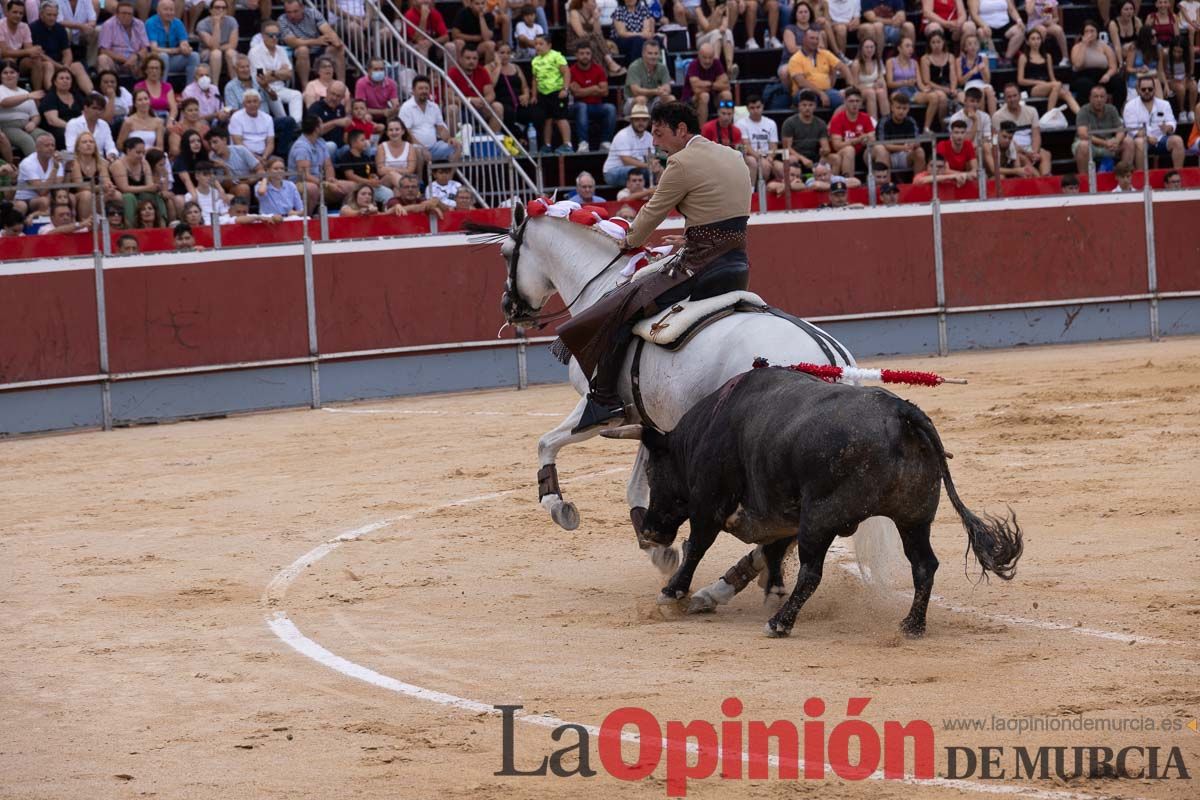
(187, 315)
(48, 326)
(1177, 245)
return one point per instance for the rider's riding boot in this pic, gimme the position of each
(603, 403)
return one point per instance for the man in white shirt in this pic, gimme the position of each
(79, 18)
(632, 149)
(273, 72)
(761, 136)
(424, 121)
(253, 129)
(90, 121)
(1149, 118)
(41, 167)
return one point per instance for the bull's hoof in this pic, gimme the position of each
(665, 558)
(774, 597)
(669, 598)
(911, 630)
(775, 631)
(566, 515)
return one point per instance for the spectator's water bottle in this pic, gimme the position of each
(531, 135)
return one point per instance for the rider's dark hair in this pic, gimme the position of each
(675, 114)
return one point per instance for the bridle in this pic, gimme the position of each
(516, 309)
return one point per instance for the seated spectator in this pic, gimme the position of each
(62, 220)
(218, 34)
(134, 178)
(169, 42)
(824, 179)
(253, 129)
(761, 137)
(847, 19)
(635, 187)
(868, 75)
(1013, 163)
(123, 43)
(115, 217)
(474, 28)
(1172, 180)
(184, 240)
(423, 14)
(722, 130)
(585, 190)
(805, 135)
(1152, 120)
(209, 194)
(1069, 184)
(898, 145)
(350, 19)
(306, 32)
(464, 200)
(716, 29)
(37, 170)
(1100, 123)
(1046, 16)
(648, 81)
(92, 123)
(408, 200)
(975, 73)
(118, 102)
(19, 117)
(127, 245)
(79, 18)
(584, 25)
(939, 79)
(890, 21)
(192, 214)
(358, 167)
(956, 159)
(61, 104)
(1035, 74)
(16, 44)
(996, 18)
(513, 93)
(443, 187)
(851, 132)
(804, 17)
(1028, 135)
(378, 91)
(816, 70)
(550, 78)
(12, 221)
(89, 166)
(278, 196)
(627, 213)
(47, 33)
(527, 30)
(1124, 175)
(501, 12)
(309, 157)
(1163, 22)
(162, 95)
(589, 87)
(475, 82)
(234, 166)
(890, 194)
(208, 99)
(947, 16)
(360, 203)
(160, 168)
(424, 121)
(192, 151)
(319, 86)
(273, 73)
(838, 197)
(979, 125)
(189, 120)
(1093, 62)
(360, 120)
(705, 83)
(330, 110)
(632, 27)
(397, 155)
(632, 150)
(242, 82)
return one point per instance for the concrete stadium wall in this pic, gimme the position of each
(419, 314)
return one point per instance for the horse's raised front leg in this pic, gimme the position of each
(637, 494)
(549, 492)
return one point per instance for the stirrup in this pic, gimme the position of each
(596, 413)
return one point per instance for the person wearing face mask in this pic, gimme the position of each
(379, 91)
(204, 91)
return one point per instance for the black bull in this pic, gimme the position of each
(777, 457)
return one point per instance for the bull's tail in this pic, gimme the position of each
(997, 542)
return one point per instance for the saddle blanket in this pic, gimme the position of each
(672, 324)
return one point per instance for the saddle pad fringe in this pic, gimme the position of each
(559, 350)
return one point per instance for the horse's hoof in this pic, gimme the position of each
(666, 598)
(701, 603)
(773, 632)
(665, 558)
(566, 515)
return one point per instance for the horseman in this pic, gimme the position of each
(708, 184)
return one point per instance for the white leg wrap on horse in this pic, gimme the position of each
(717, 593)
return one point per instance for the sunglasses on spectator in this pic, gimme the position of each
(270, 35)
(725, 104)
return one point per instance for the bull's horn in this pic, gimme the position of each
(623, 432)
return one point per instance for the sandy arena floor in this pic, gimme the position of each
(137, 658)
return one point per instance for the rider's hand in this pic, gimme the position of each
(674, 240)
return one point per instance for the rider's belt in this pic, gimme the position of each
(706, 243)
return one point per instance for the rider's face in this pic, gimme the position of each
(670, 140)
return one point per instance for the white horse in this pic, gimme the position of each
(547, 255)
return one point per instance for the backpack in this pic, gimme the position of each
(776, 97)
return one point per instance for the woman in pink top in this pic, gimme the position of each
(162, 96)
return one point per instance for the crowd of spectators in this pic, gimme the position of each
(172, 113)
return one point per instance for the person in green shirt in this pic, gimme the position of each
(550, 78)
(648, 80)
(1102, 124)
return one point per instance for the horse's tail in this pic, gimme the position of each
(997, 542)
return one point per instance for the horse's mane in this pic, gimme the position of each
(500, 232)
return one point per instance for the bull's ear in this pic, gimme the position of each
(623, 432)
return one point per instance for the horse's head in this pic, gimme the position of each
(527, 289)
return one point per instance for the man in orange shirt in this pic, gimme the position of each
(816, 69)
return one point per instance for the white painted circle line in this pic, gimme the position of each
(282, 626)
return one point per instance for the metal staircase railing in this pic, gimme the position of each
(495, 178)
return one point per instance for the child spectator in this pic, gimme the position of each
(443, 188)
(1124, 175)
(208, 194)
(360, 120)
(527, 31)
(550, 76)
